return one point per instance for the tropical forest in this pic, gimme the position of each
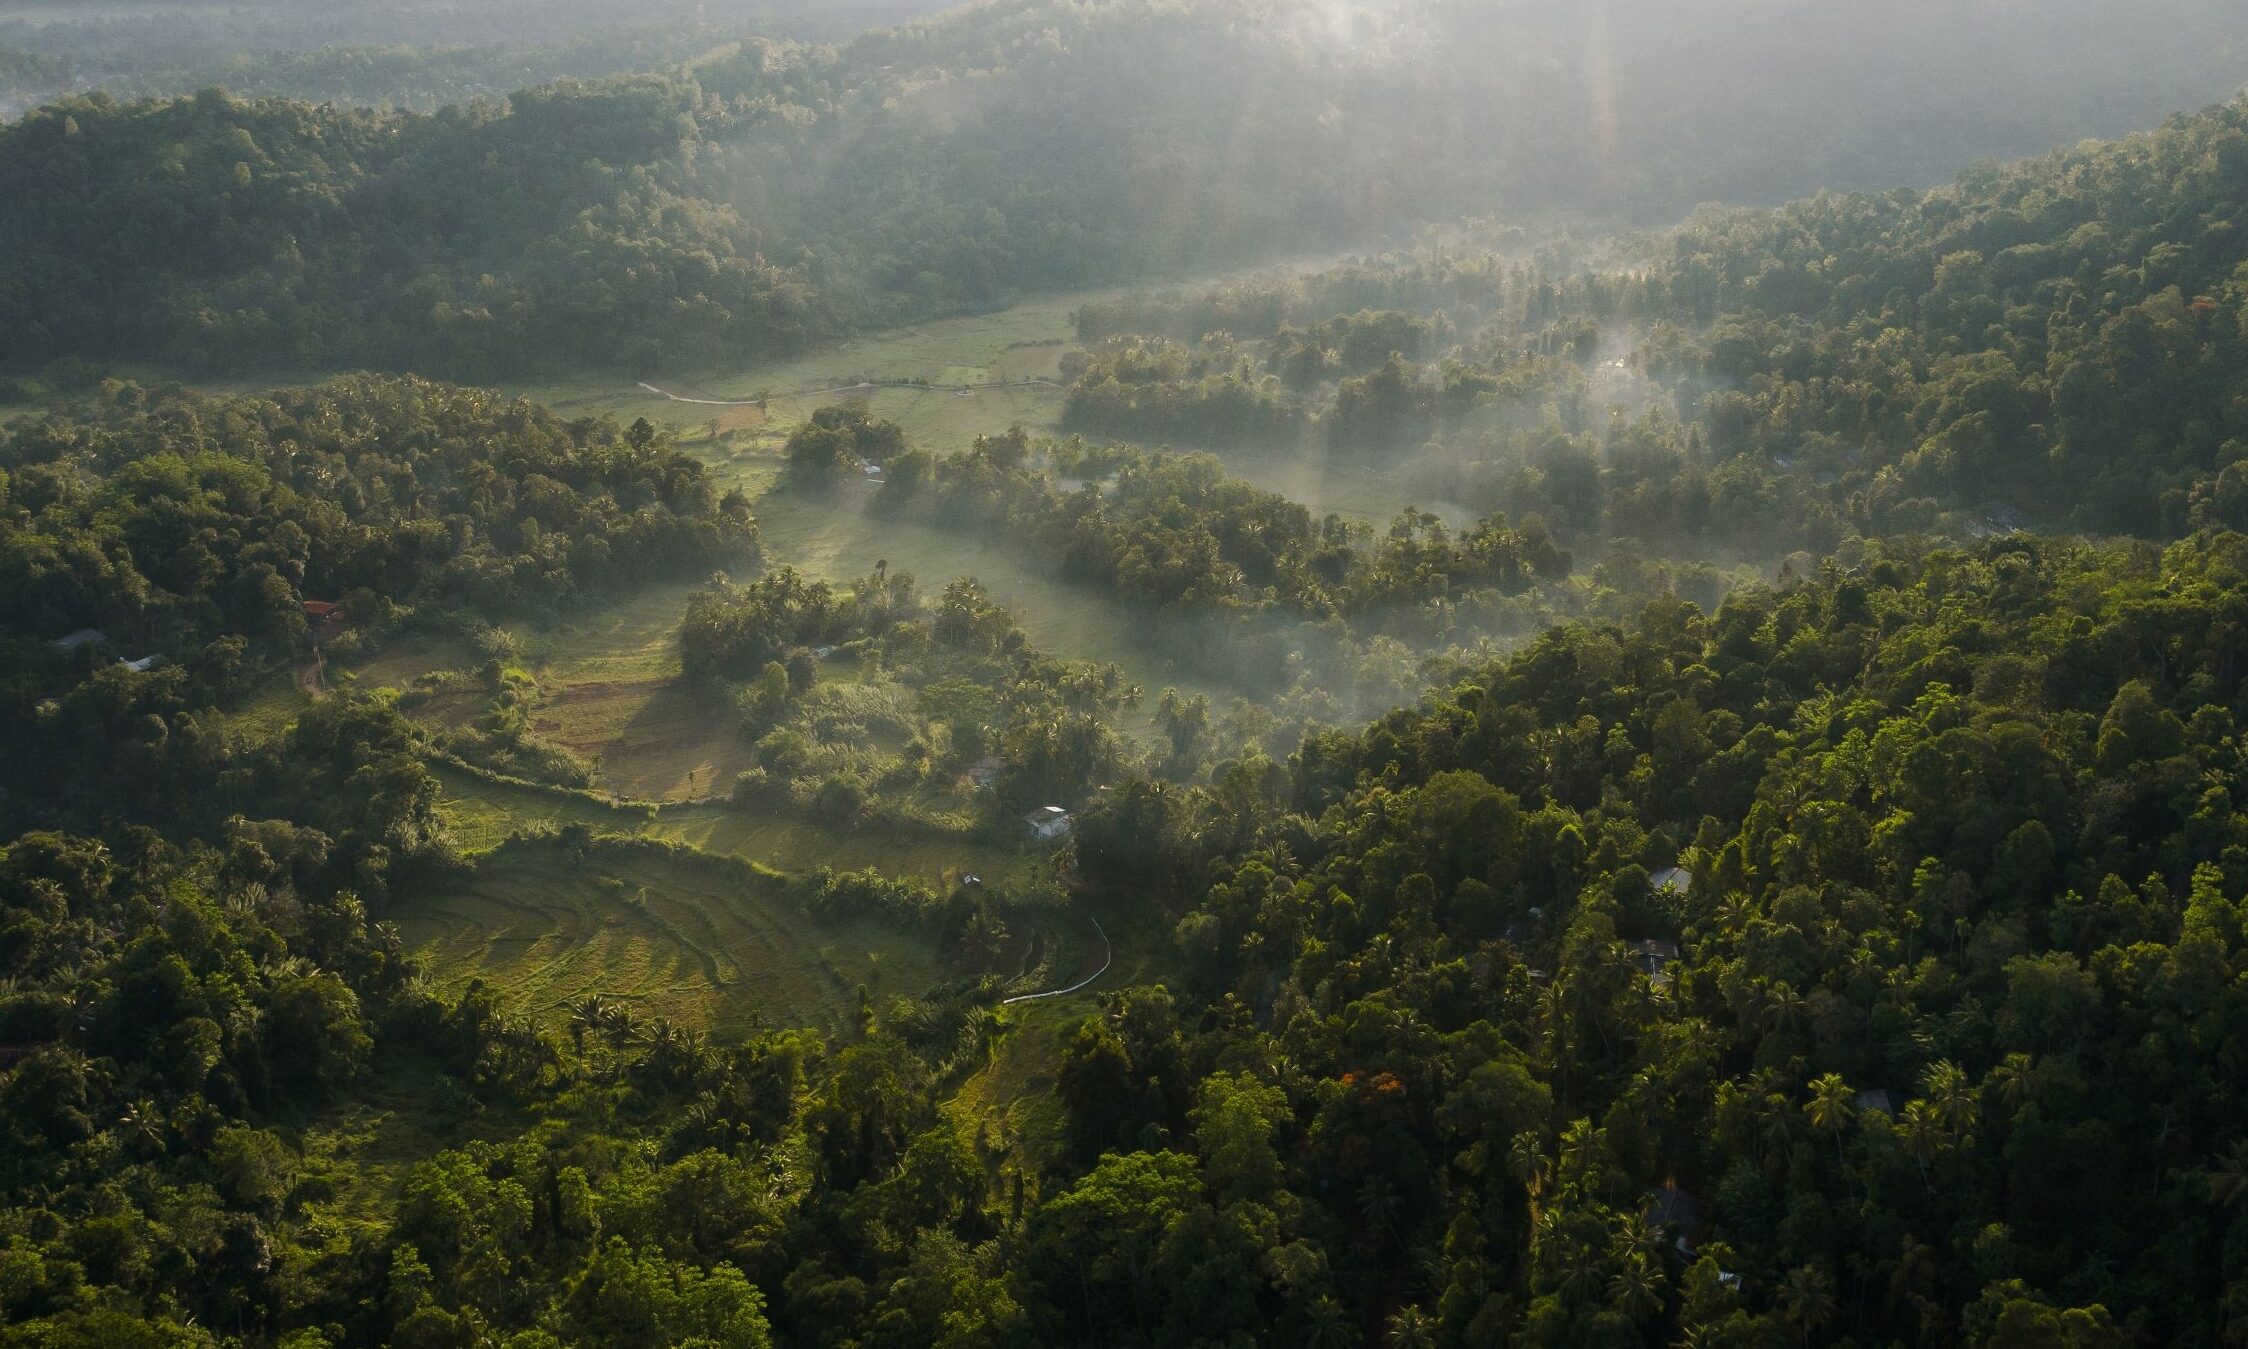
(1141, 674)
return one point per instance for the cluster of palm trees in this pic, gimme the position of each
(670, 1050)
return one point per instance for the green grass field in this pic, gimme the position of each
(698, 945)
(612, 694)
(1014, 344)
(791, 842)
(480, 814)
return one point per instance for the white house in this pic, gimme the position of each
(1048, 824)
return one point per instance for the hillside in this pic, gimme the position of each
(1605, 772)
(737, 207)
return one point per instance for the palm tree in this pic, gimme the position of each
(2009, 1081)
(2228, 1180)
(1412, 1328)
(1581, 1146)
(1527, 1159)
(1923, 1134)
(1831, 1108)
(1783, 1007)
(1952, 1098)
(621, 1026)
(587, 1014)
(1636, 1238)
(1777, 1132)
(1807, 1298)
(1327, 1326)
(1636, 1290)
(1579, 1267)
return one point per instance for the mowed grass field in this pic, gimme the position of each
(691, 943)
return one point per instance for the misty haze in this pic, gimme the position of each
(1149, 674)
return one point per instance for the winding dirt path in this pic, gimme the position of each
(1108, 957)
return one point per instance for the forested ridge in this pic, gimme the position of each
(2057, 340)
(756, 198)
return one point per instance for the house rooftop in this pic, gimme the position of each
(83, 637)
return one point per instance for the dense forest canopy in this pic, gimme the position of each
(404, 54)
(1757, 858)
(739, 206)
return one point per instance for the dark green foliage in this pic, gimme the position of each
(164, 517)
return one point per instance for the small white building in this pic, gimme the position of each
(1677, 880)
(83, 637)
(1048, 824)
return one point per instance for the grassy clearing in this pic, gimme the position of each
(360, 1153)
(1015, 344)
(402, 660)
(612, 694)
(702, 947)
(265, 717)
(791, 842)
(480, 814)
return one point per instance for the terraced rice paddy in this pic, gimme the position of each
(480, 814)
(692, 943)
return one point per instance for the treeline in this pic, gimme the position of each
(1927, 1041)
(168, 518)
(421, 57)
(738, 207)
(1179, 534)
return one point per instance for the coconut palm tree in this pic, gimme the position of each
(1831, 1108)
(587, 1015)
(1412, 1328)
(2228, 1179)
(1636, 1290)
(1527, 1159)
(1953, 1098)
(1327, 1326)
(1807, 1298)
